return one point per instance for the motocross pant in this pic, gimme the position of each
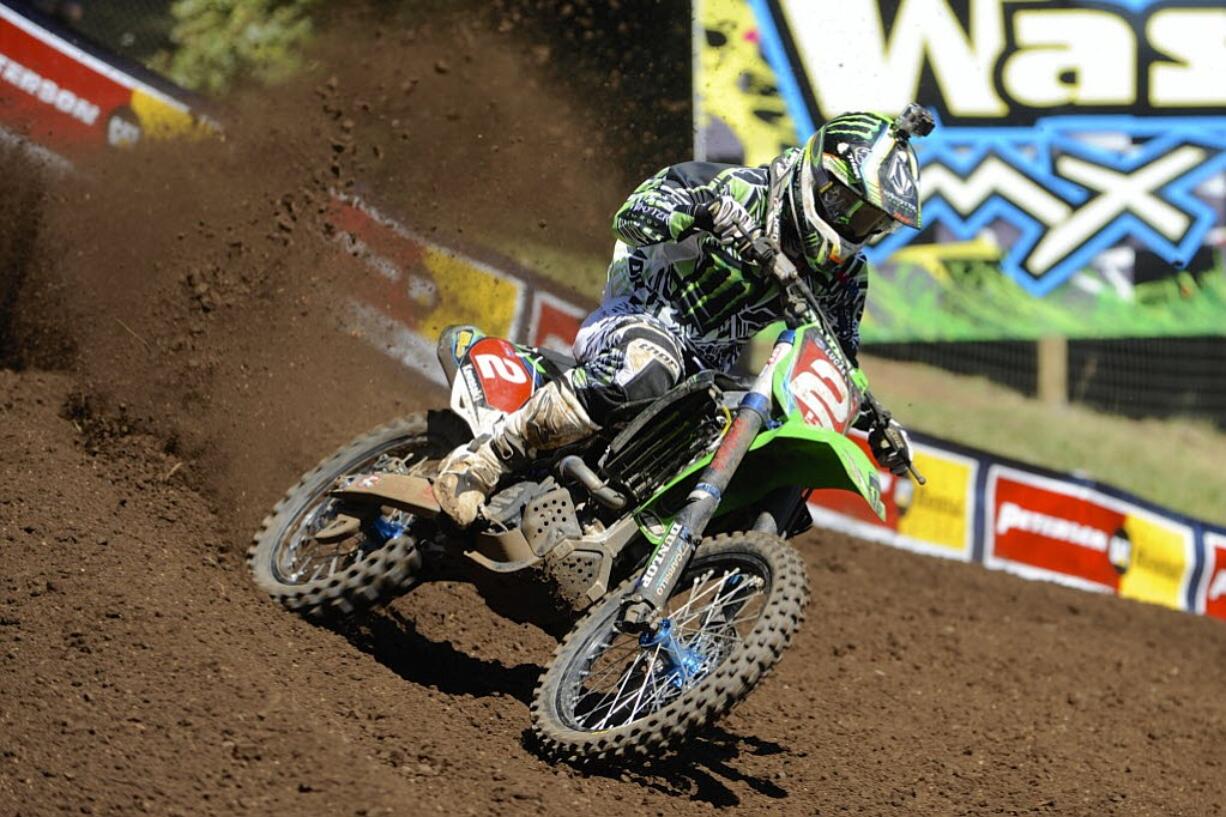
(624, 359)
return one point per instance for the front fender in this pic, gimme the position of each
(793, 453)
(799, 454)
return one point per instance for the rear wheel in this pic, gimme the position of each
(367, 554)
(609, 694)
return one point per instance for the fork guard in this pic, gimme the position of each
(791, 454)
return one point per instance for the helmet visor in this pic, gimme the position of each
(853, 217)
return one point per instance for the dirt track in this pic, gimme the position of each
(176, 364)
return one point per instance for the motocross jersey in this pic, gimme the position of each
(704, 291)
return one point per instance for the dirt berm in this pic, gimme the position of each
(173, 362)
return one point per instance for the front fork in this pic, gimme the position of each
(642, 608)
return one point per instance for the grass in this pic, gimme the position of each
(1175, 463)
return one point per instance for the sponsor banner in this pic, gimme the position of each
(555, 322)
(417, 288)
(1038, 524)
(422, 285)
(936, 518)
(1059, 530)
(1075, 184)
(66, 95)
(1212, 601)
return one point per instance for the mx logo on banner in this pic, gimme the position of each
(1069, 199)
(1068, 128)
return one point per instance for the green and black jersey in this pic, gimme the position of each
(702, 290)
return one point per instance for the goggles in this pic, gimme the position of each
(853, 217)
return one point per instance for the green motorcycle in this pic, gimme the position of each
(667, 531)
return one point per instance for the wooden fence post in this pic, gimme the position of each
(1053, 370)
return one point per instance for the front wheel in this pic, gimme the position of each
(609, 694)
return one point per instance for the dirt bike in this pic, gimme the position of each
(667, 530)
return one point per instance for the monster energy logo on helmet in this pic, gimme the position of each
(857, 177)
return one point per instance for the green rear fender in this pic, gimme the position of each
(791, 454)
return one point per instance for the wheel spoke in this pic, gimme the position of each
(698, 581)
(649, 676)
(740, 620)
(718, 603)
(611, 669)
(620, 689)
(713, 587)
(620, 702)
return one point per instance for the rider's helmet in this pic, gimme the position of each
(858, 175)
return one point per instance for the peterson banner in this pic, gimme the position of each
(69, 95)
(1076, 181)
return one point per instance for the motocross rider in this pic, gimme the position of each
(680, 299)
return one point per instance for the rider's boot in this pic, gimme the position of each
(552, 417)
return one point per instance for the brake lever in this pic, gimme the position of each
(757, 248)
(752, 243)
(882, 416)
(896, 442)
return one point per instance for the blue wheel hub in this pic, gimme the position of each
(380, 530)
(681, 663)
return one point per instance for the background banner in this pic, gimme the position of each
(1212, 594)
(67, 94)
(937, 518)
(1061, 194)
(1040, 524)
(1055, 529)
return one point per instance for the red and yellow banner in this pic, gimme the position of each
(1040, 525)
(1053, 529)
(63, 97)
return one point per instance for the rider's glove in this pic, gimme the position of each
(719, 216)
(891, 446)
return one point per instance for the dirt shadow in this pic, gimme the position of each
(392, 639)
(702, 770)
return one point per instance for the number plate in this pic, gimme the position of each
(822, 393)
(504, 380)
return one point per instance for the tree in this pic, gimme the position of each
(220, 40)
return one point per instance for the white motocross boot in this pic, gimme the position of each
(552, 417)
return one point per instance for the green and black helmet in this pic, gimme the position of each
(858, 175)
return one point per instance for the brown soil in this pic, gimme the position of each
(174, 364)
